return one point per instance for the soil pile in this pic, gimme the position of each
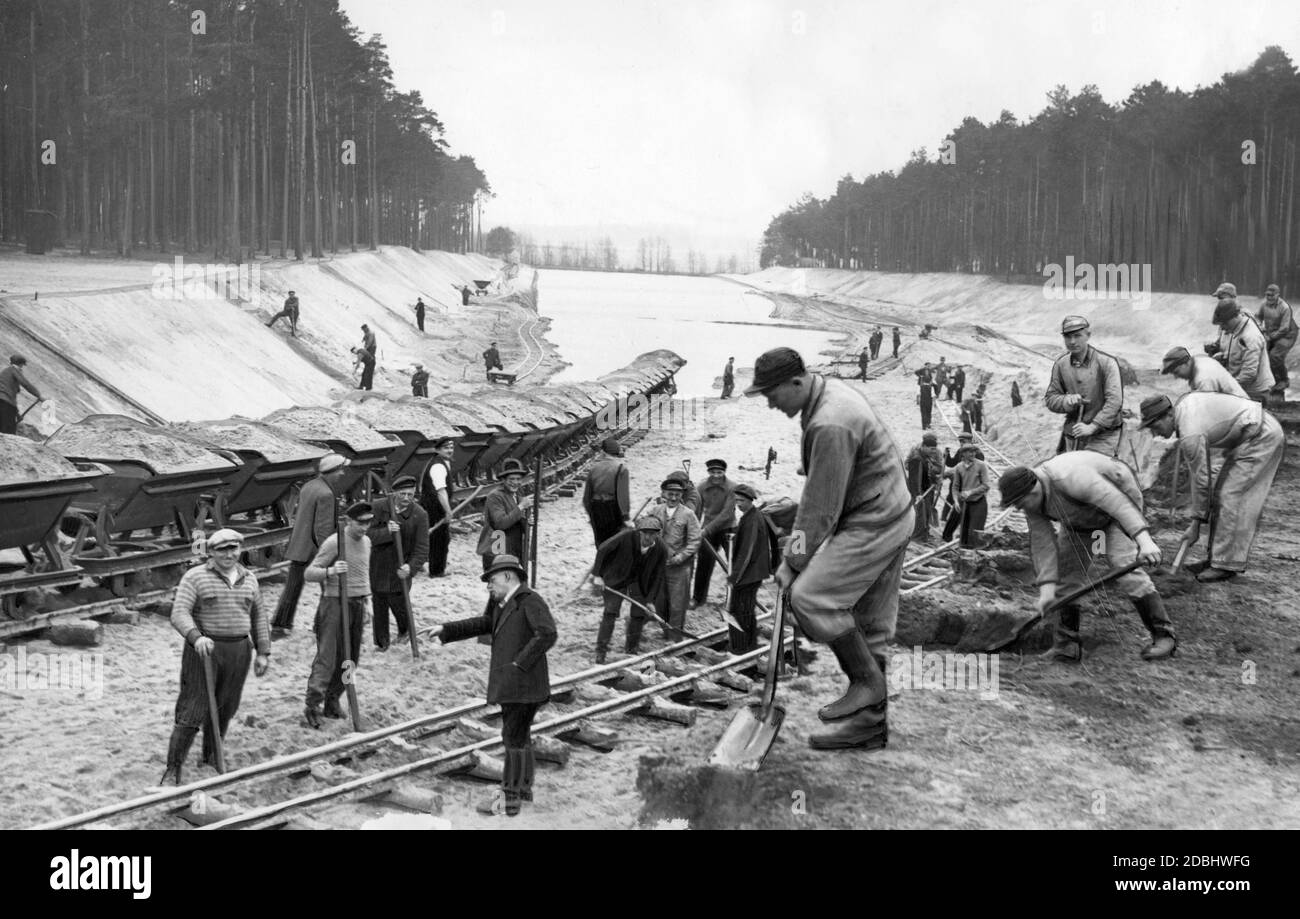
(112, 438)
(320, 424)
(21, 460)
(252, 436)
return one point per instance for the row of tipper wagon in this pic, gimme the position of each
(108, 497)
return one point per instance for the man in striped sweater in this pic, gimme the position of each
(218, 609)
(325, 684)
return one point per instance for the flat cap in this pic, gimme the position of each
(930, 439)
(1174, 357)
(18, 359)
(966, 436)
(1153, 407)
(440, 442)
(1225, 288)
(1015, 483)
(1073, 324)
(225, 537)
(361, 511)
(331, 461)
(611, 446)
(716, 464)
(403, 481)
(745, 491)
(649, 524)
(1226, 311)
(773, 368)
(673, 484)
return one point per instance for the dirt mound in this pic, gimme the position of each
(22, 460)
(252, 436)
(408, 413)
(328, 424)
(114, 438)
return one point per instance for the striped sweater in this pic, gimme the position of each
(207, 605)
(358, 559)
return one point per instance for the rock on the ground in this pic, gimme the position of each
(80, 633)
(121, 616)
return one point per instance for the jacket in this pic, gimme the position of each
(1245, 354)
(717, 511)
(11, 379)
(314, 521)
(621, 563)
(383, 548)
(1097, 379)
(972, 477)
(753, 549)
(608, 478)
(1278, 322)
(854, 471)
(1208, 375)
(681, 531)
(502, 512)
(1083, 491)
(522, 631)
(1211, 420)
(924, 468)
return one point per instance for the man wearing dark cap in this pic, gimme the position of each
(606, 496)
(1085, 493)
(420, 382)
(843, 561)
(1241, 349)
(11, 381)
(505, 517)
(289, 312)
(1253, 443)
(521, 631)
(924, 476)
(970, 485)
(1202, 373)
(633, 562)
(315, 520)
(219, 612)
(1280, 330)
(690, 494)
(436, 501)
(326, 680)
(395, 514)
(680, 531)
(717, 515)
(1086, 388)
(729, 378)
(492, 359)
(419, 312)
(751, 565)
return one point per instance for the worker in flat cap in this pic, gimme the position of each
(314, 521)
(753, 560)
(924, 477)
(680, 531)
(218, 610)
(1225, 291)
(1087, 493)
(690, 494)
(11, 381)
(325, 683)
(395, 515)
(1086, 388)
(420, 382)
(1278, 324)
(1253, 443)
(1202, 373)
(633, 562)
(436, 501)
(505, 516)
(1241, 349)
(843, 563)
(717, 515)
(968, 492)
(607, 495)
(367, 354)
(521, 630)
(289, 312)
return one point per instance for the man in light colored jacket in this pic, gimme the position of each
(1202, 373)
(1242, 349)
(1280, 330)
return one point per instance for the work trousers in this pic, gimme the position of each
(1240, 492)
(926, 405)
(728, 386)
(286, 314)
(606, 519)
(970, 517)
(325, 682)
(1277, 353)
(744, 600)
(439, 538)
(230, 660)
(383, 602)
(288, 605)
(8, 418)
(852, 582)
(613, 608)
(367, 375)
(679, 593)
(704, 563)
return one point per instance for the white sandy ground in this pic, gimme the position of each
(64, 753)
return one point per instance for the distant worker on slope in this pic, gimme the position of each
(1280, 330)
(492, 359)
(898, 338)
(465, 294)
(420, 382)
(1086, 388)
(863, 360)
(289, 312)
(369, 348)
(419, 313)
(11, 381)
(729, 378)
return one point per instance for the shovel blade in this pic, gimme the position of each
(749, 737)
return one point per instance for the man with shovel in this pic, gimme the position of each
(633, 562)
(390, 576)
(843, 561)
(1086, 388)
(1098, 503)
(681, 535)
(219, 612)
(11, 381)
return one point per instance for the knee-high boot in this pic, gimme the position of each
(867, 685)
(634, 627)
(512, 779)
(603, 636)
(1152, 610)
(177, 750)
(1067, 647)
(530, 769)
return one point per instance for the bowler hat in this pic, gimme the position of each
(745, 491)
(1174, 357)
(504, 563)
(512, 467)
(1073, 324)
(1015, 483)
(403, 481)
(773, 368)
(1226, 311)
(1153, 407)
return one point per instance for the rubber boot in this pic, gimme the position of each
(1152, 610)
(866, 730)
(1067, 648)
(605, 633)
(512, 779)
(867, 685)
(178, 748)
(530, 770)
(333, 709)
(634, 627)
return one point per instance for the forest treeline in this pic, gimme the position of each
(1200, 185)
(229, 127)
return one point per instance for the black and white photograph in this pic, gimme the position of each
(652, 415)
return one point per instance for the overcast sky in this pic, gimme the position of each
(713, 116)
